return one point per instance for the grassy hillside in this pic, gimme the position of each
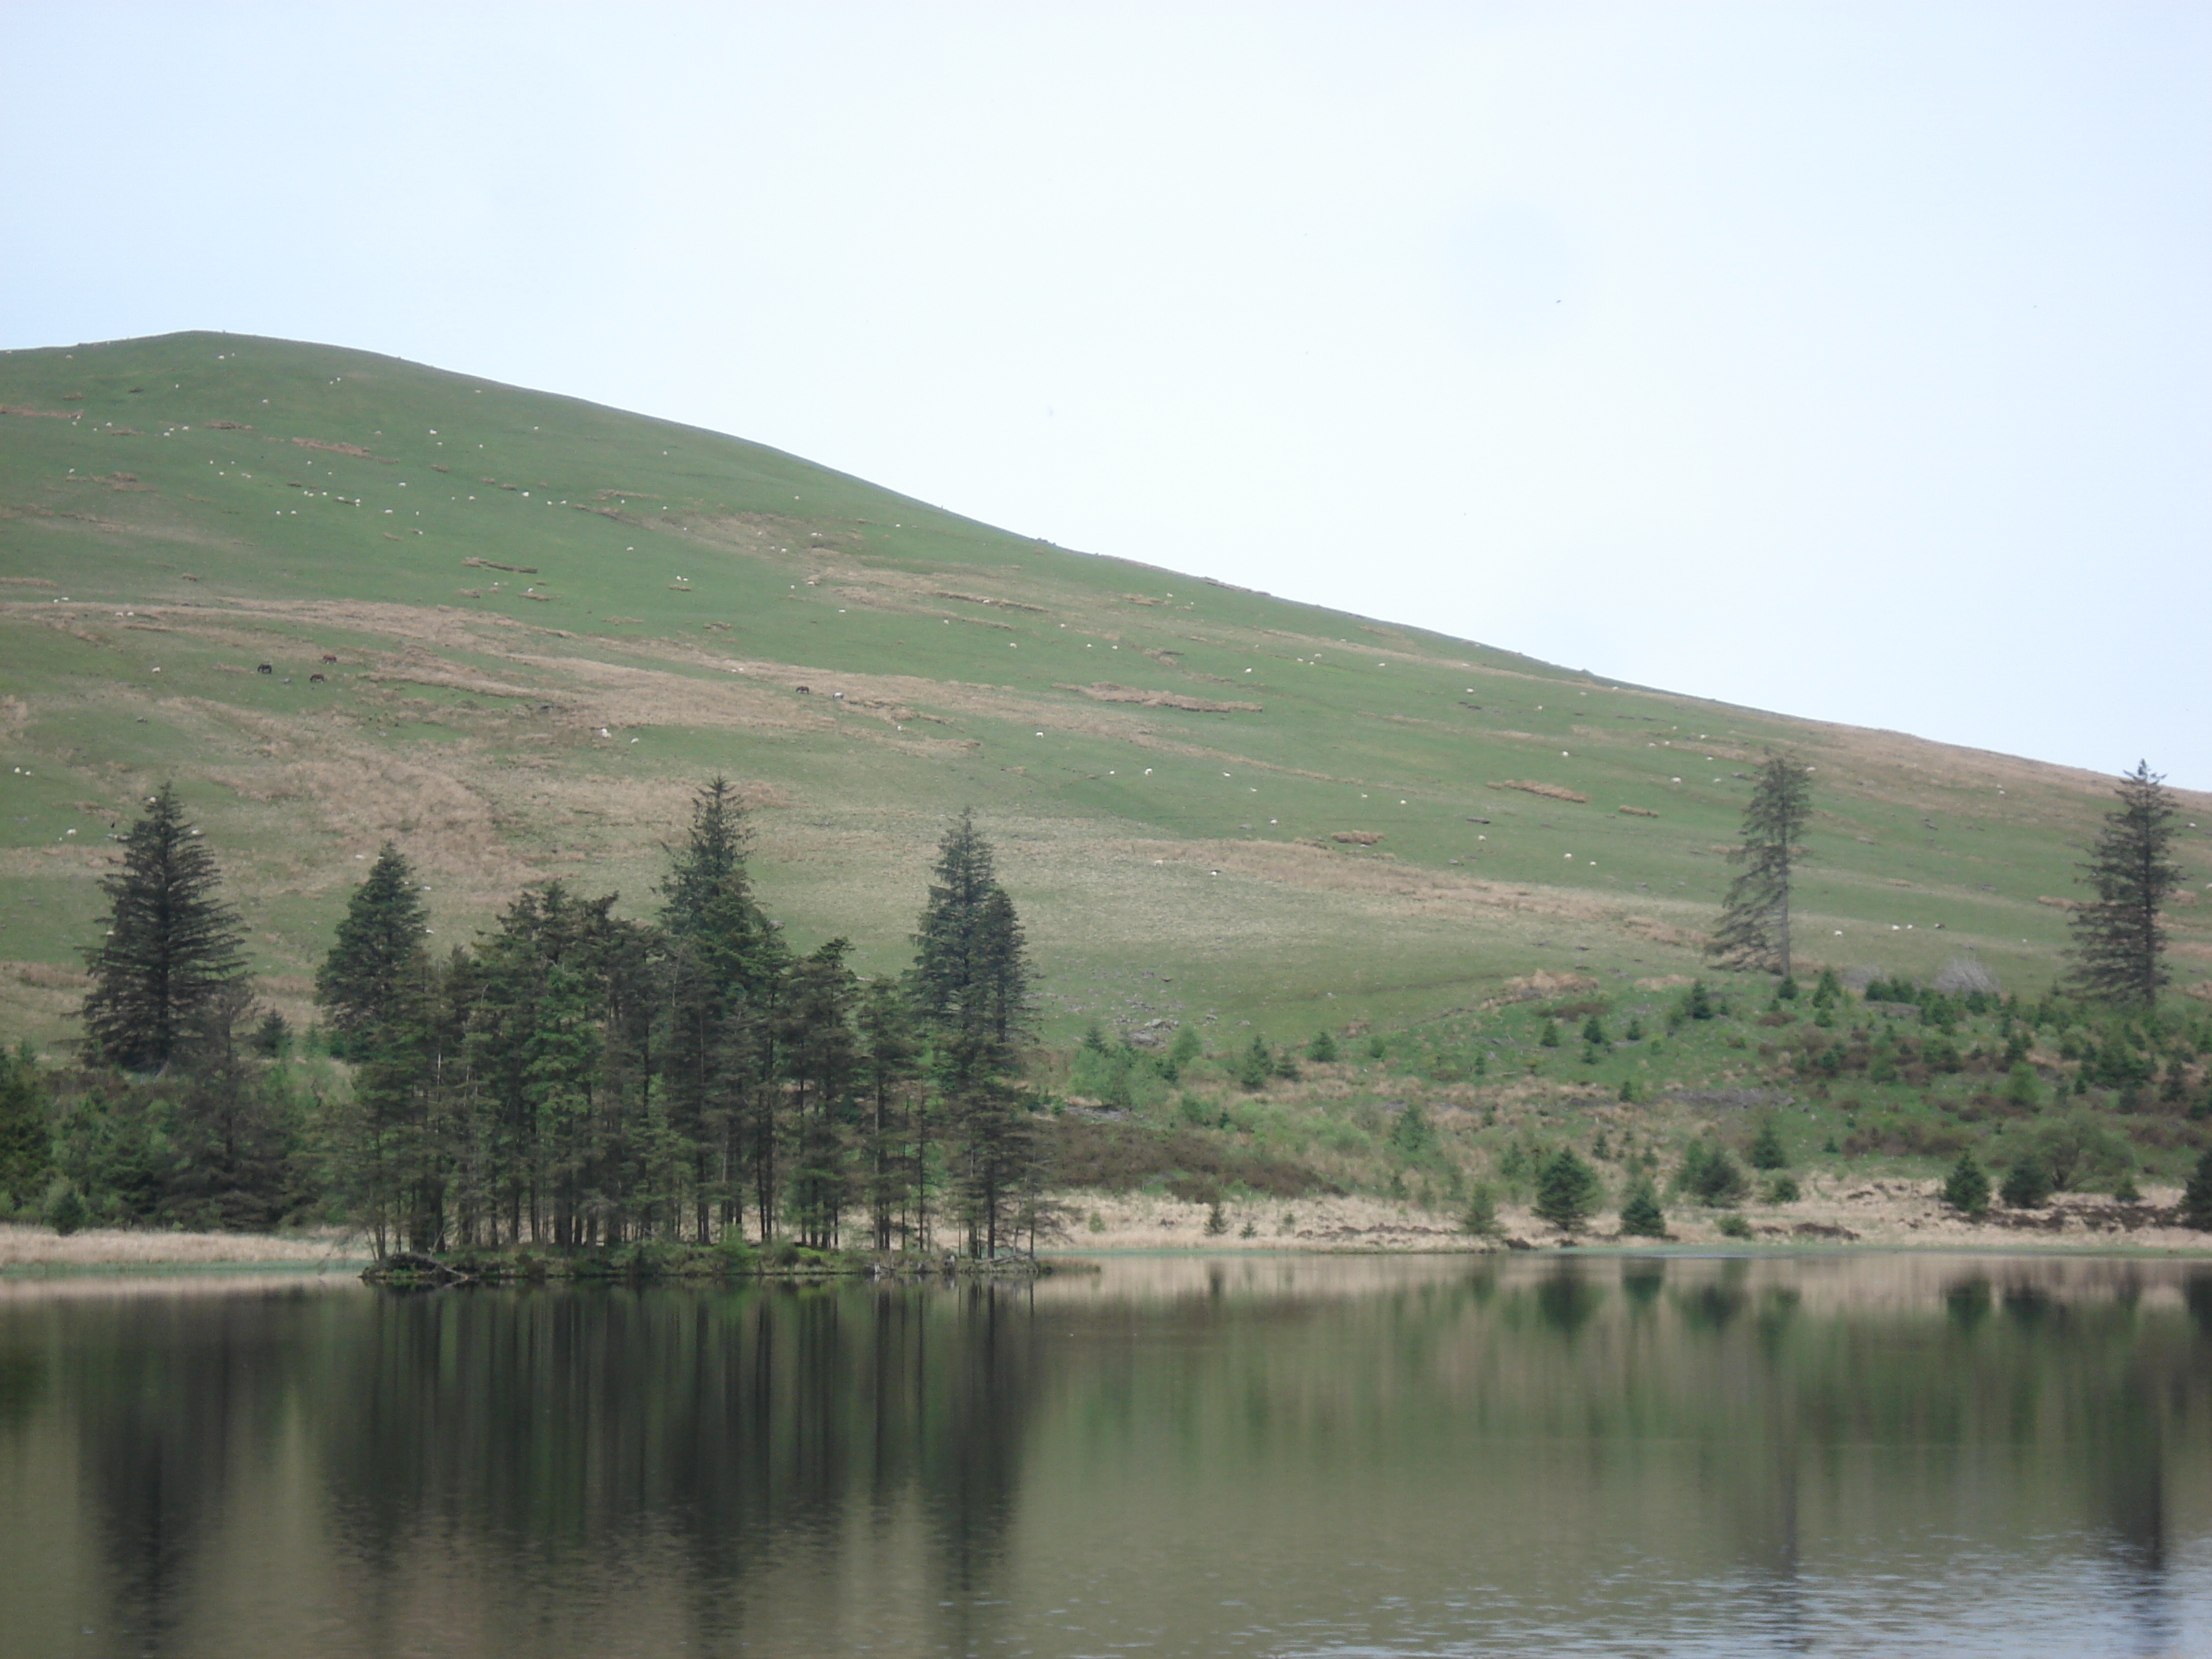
(549, 620)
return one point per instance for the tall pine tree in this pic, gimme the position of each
(820, 1062)
(173, 950)
(971, 980)
(1754, 926)
(2118, 951)
(724, 965)
(894, 1138)
(379, 951)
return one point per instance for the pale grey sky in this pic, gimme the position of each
(1853, 360)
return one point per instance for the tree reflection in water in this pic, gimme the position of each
(1219, 1456)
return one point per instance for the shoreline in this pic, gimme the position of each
(1835, 1215)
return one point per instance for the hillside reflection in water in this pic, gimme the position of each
(1251, 1454)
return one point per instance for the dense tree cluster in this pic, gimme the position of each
(580, 1077)
(575, 1077)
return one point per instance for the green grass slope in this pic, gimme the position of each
(549, 620)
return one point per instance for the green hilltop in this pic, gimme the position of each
(512, 631)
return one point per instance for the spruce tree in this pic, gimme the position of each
(1754, 926)
(971, 974)
(378, 951)
(893, 1135)
(1767, 1151)
(1480, 1216)
(724, 965)
(2119, 940)
(2026, 1185)
(27, 1141)
(1966, 1188)
(1641, 1216)
(820, 1061)
(1567, 1190)
(2196, 1196)
(1709, 1174)
(971, 993)
(172, 949)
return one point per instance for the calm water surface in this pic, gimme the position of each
(1871, 1454)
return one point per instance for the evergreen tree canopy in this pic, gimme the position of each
(26, 1140)
(2197, 1195)
(379, 949)
(708, 911)
(1709, 1174)
(2026, 1185)
(1966, 1188)
(2119, 940)
(1753, 931)
(971, 992)
(1567, 1190)
(971, 973)
(172, 947)
(1767, 1151)
(1641, 1216)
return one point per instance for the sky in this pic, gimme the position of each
(1853, 362)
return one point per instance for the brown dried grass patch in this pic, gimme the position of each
(1414, 889)
(1543, 983)
(46, 977)
(1548, 791)
(1105, 691)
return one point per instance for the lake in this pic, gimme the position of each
(1658, 1454)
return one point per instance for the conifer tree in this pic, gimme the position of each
(1567, 1190)
(26, 1148)
(821, 1059)
(2026, 1185)
(1709, 1174)
(1966, 1188)
(971, 972)
(1753, 931)
(2119, 940)
(378, 951)
(971, 984)
(1767, 1151)
(2196, 1196)
(724, 965)
(894, 1139)
(1641, 1216)
(171, 950)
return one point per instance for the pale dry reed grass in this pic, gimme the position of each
(105, 1248)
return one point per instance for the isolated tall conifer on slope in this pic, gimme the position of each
(172, 948)
(2119, 942)
(1754, 926)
